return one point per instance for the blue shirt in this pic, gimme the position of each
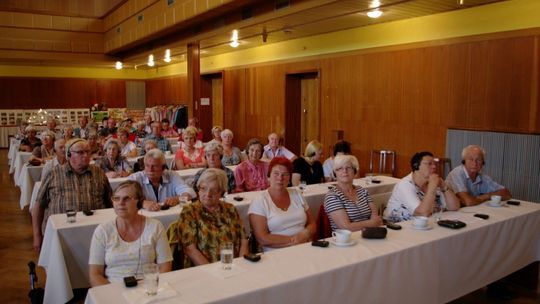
(171, 185)
(459, 181)
(162, 143)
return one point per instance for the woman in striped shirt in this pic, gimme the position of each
(348, 206)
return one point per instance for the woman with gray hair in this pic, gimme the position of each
(348, 206)
(112, 163)
(213, 152)
(31, 141)
(210, 222)
(44, 152)
(231, 154)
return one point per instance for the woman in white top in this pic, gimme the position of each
(120, 248)
(280, 217)
(128, 148)
(423, 192)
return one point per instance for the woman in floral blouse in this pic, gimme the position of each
(206, 224)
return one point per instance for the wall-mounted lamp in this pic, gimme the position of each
(150, 60)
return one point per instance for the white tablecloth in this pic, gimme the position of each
(14, 145)
(65, 250)
(27, 178)
(21, 158)
(409, 266)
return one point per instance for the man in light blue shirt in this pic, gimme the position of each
(470, 185)
(160, 187)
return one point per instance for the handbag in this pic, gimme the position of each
(374, 232)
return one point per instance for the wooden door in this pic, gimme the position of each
(310, 109)
(302, 110)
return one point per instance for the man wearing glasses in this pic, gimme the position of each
(470, 185)
(75, 185)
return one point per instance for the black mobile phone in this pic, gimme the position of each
(130, 281)
(320, 243)
(482, 216)
(376, 181)
(515, 203)
(452, 224)
(164, 207)
(252, 257)
(238, 198)
(88, 212)
(392, 226)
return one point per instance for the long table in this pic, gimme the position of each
(409, 266)
(66, 247)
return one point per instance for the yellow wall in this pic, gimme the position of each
(497, 17)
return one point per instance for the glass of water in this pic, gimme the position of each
(71, 216)
(227, 255)
(151, 278)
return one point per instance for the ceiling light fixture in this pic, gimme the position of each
(234, 39)
(167, 55)
(150, 60)
(375, 4)
(374, 13)
(118, 65)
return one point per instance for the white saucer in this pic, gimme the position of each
(428, 227)
(350, 243)
(492, 205)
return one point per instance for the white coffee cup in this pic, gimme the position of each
(341, 236)
(495, 200)
(420, 221)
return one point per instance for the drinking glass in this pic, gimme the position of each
(227, 255)
(71, 216)
(151, 278)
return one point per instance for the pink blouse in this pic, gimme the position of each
(196, 157)
(250, 177)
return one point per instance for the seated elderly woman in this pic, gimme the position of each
(31, 141)
(216, 135)
(189, 156)
(209, 222)
(422, 192)
(213, 152)
(44, 152)
(250, 175)
(112, 163)
(280, 216)
(94, 143)
(121, 247)
(348, 206)
(127, 147)
(140, 133)
(342, 147)
(308, 168)
(231, 154)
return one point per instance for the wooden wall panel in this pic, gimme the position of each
(35, 93)
(165, 91)
(402, 100)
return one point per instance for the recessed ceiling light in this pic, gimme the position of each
(118, 65)
(150, 60)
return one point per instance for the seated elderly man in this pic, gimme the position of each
(59, 158)
(471, 186)
(160, 187)
(76, 185)
(213, 153)
(52, 126)
(162, 143)
(274, 148)
(82, 130)
(421, 193)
